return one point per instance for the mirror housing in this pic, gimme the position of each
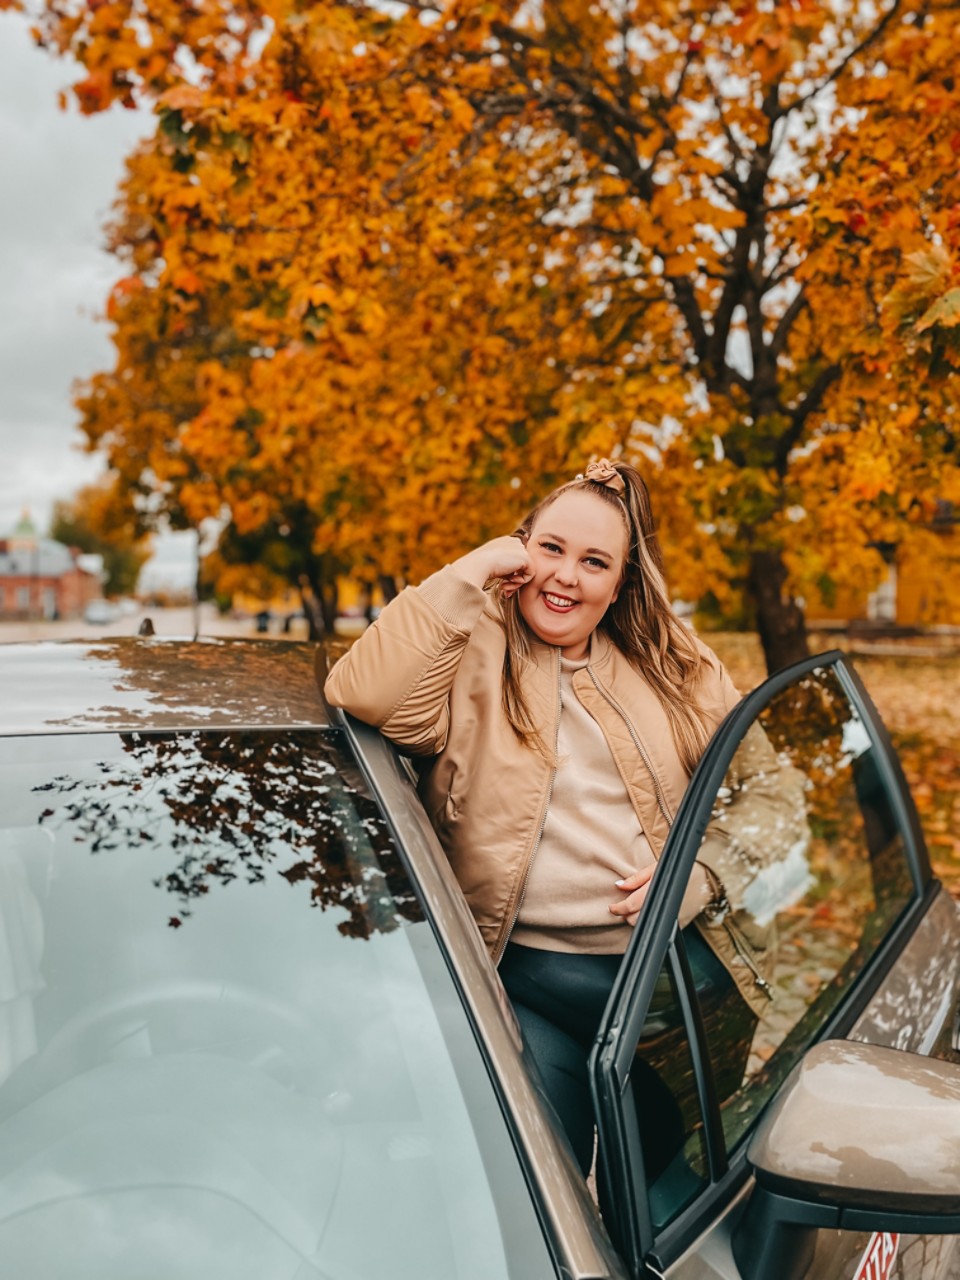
(861, 1138)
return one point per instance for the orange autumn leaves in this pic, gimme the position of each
(401, 269)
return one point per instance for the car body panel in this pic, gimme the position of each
(131, 683)
(924, 984)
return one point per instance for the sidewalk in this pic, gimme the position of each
(166, 622)
(888, 642)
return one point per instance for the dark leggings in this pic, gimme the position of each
(559, 998)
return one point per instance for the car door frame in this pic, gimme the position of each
(655, 942)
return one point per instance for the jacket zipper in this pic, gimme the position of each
(745, 952)
(657, 790)
(543, 822)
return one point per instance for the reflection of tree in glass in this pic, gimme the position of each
(849, 805)
(228, 805)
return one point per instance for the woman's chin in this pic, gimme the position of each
(573, 645)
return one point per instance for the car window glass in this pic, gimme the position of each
(224, 1027)
(668, 1113)
(804, 839)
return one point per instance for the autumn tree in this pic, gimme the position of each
(403, 269)
(99, 519)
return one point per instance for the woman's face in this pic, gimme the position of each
(577, 547)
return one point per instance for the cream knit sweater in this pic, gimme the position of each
(591, 838)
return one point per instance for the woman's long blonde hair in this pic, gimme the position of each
(640, 622)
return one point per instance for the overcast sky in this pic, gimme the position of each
(58, 179)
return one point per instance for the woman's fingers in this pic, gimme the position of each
(635, 889)
(637, 880)
(500, 558)
(512, 582)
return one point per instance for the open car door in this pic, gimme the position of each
(800, 810)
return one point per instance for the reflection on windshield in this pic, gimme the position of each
(241, 1097)
(230, 806)
(21, 949)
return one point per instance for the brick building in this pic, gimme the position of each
(40, 578)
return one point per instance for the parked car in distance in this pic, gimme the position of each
(248, 1030)
(99, 613)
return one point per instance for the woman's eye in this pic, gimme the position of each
(549, 546)
(595, 563)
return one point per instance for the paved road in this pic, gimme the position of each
(166, 622)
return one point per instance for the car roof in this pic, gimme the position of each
(143, 684)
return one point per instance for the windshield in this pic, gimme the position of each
(224, 1027)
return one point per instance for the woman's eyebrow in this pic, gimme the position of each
(590, 551)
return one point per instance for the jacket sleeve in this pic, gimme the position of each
(397, 676)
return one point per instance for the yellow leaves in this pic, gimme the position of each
(316, 295)
(251, 512)
(350, 297)
(123, 291)
(182, 97)
(186, 281)
(680, 264)
(944, 313)
(419, 103)
(928, 270)
(186, 198)
(94, 92)
(925, 298)
(200, 501)
(461, 112)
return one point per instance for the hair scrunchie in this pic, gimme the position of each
(604, 472)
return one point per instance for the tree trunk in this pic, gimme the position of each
(311, 613)
(324, 600)
(329, 601)
(780, 622)
(388, 587)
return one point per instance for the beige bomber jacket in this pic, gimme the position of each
(428, 674)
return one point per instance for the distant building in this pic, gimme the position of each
(919, 589)
(40, 578)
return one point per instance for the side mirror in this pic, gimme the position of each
(861, 1138)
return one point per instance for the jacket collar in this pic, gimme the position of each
(601, 650)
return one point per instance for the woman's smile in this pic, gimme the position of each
(557, 603)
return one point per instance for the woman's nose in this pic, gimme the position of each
(566, 571)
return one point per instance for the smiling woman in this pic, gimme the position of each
(561, 707)
(576, 575)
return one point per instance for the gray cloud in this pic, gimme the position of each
(59, 174)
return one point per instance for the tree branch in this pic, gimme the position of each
(786, 108)
(799, 415)
(785, 323)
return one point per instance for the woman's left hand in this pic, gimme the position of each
(635, 888)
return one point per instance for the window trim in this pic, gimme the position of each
(656, 935)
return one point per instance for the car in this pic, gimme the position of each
(248, 1028)
(100, 612)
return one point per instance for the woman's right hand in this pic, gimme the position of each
(504, 558)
